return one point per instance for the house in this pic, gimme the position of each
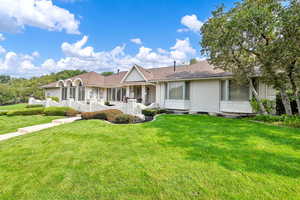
(195, 88)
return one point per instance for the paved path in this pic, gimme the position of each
(31, 129)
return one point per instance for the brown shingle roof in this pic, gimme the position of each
(200, 70)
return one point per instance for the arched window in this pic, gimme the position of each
(72, 91)
(81, 92)
(64, 93)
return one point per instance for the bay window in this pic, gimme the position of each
(231, 91)
(177, 90)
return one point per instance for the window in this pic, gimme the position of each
(238, 92)
(231, 91)
(187, 91)
(119, 90)
(64, 93)
(177, 90)
(81, 93)
(224, 90)
(113, 96)
(123, 93)
(72, 92)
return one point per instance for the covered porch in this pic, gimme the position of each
(143, 93)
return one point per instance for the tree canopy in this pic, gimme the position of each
(255, 38)
(16, 90)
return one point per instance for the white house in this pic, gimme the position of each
(195, 88)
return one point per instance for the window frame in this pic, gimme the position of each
(186, 89)
(226, 96)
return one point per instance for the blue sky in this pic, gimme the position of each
(43, 36)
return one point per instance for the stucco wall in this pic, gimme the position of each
(204, 96)
(52, 92)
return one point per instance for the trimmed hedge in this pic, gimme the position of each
(34, 106)
(93, 115)
(72, 113)
(3, 113)
(54, 99)
(27, 111)
(149, 112)
(126, 119)
(58, 111)
(109, 115)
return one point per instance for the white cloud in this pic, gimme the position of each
(191, 22)
(35, 54)
(79, 56)
(1, 37)
(2, 50)
(16, 14)
(136, 41)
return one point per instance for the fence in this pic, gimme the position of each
(131, 107)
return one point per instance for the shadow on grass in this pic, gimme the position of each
(234, 144)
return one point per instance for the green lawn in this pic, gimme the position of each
(174, 157)
(12, 123)
(13, 107)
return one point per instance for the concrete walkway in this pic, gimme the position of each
(31, 129)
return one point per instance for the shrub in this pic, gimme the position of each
(126, 119)
(161, 111)
(72, 113)
(54, 99)
(270, 106)
(93, 115)
(34, 106)
(268, 118)
(58, 111)
(3, 113)
(292, 121)
(107, 103)
(111, 114)
(149, 112)
(27, 111)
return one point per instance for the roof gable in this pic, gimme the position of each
(135, 74)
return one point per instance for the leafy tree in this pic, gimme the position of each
(106, 73)
(193, 61)
(4, 79)
(243, 40)
(18, 90)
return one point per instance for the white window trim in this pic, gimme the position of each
(227, 92)
(184, 91)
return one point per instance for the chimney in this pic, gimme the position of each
(174, 65)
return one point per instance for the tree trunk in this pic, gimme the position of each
(296, 94)
(286, 102)
(297, 101)
(254, 92)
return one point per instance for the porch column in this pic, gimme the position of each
(143, 94)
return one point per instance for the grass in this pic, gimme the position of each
(13, 107)
(174, 157)
(10, 124)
